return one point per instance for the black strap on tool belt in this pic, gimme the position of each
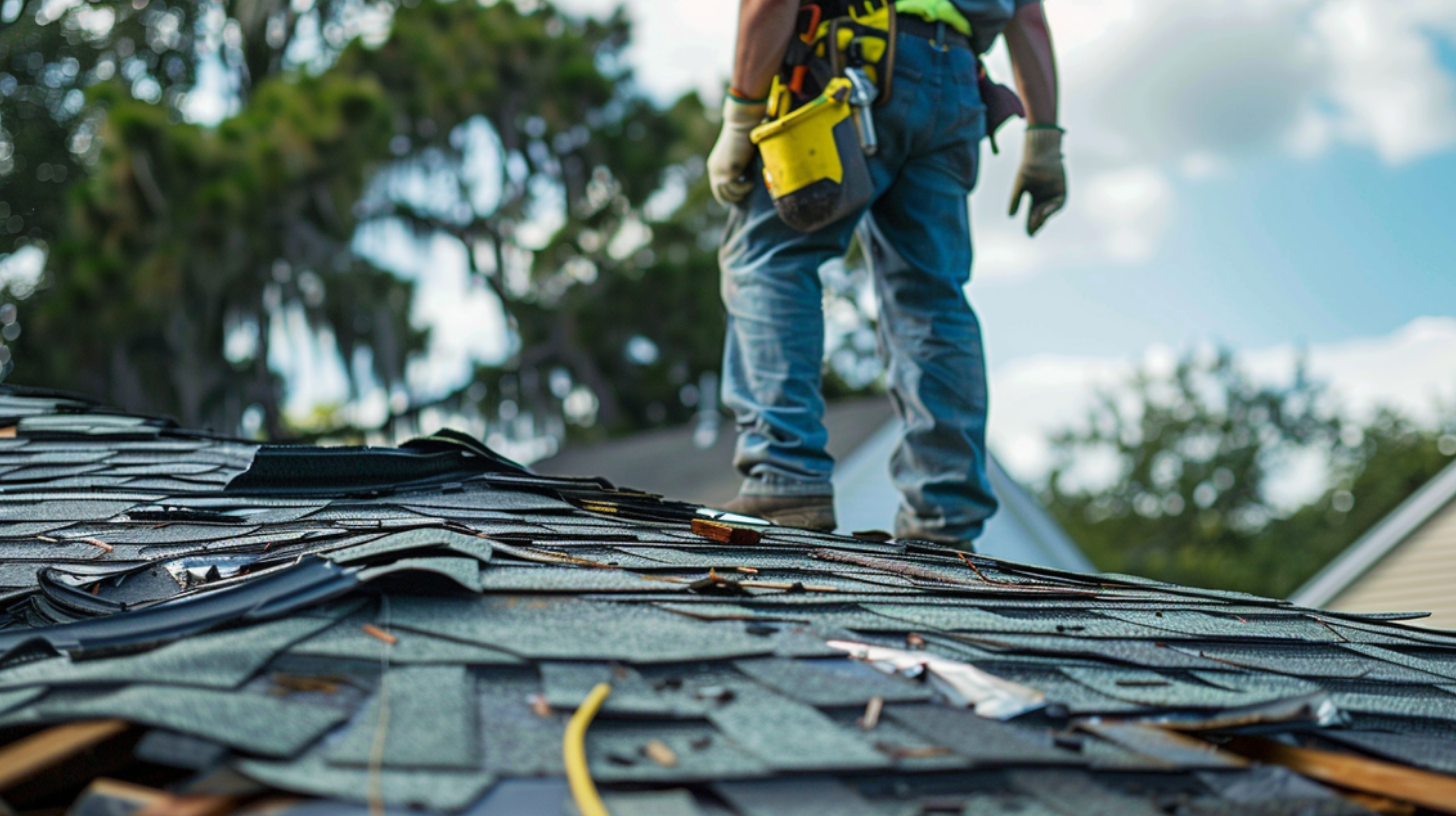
(855, 34)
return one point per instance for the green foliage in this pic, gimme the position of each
(182, 248)
(580, 145)
(1192, 456)
(185, 231)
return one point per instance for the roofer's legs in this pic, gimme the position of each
(929, 133)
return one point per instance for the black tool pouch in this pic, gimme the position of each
(1001, 103)
(839, 34)
(864, 38)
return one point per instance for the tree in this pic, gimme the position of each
(617, 300)
(181, 247)
(1192, 456)
(1390, 457)
(163, 240)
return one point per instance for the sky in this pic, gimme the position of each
(1275, 176)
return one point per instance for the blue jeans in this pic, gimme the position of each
(916, 233)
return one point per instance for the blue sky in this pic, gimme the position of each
(1278, 250)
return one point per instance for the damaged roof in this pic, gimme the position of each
(192, 620)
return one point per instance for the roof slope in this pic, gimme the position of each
(415, 627)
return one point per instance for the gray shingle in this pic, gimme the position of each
(419, 541)
(1162, 690)
(518, 741)
(984, 742)
(255, 723)
(18, 697)
(347, 639)
(1074, 793)
(1422, 751)
(547, 628)
(618, 752)
(430, 721)
(675, 802)
(463, 571)
(791, 736)
(831, 681)
(567, 684)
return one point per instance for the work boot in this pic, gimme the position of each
(804, 512)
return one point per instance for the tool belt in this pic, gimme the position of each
(813, 146)
(840, 64)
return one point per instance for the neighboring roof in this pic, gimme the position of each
(1379, 541)
(416, 627)
(862, 434)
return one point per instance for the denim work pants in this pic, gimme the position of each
(916, 233)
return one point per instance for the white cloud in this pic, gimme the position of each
(1390, 89)
(1412, 369)
(20, 271)
(469, 326)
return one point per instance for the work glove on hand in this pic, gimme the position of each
(728, 163)
(1042, 176)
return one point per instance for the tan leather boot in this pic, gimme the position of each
(803, 512)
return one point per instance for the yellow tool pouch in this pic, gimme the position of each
(812, 162)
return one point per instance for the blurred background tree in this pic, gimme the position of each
(176, 251)
(1173, 475)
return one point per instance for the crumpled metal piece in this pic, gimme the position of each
(963, 684)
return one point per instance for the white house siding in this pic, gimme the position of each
(1418, 575)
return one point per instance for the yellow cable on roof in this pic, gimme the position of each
(573, 751)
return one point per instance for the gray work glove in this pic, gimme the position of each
(733, 154)
(1041, 176)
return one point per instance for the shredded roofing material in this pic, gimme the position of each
(413, 627)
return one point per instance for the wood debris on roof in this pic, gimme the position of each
(289, 629)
